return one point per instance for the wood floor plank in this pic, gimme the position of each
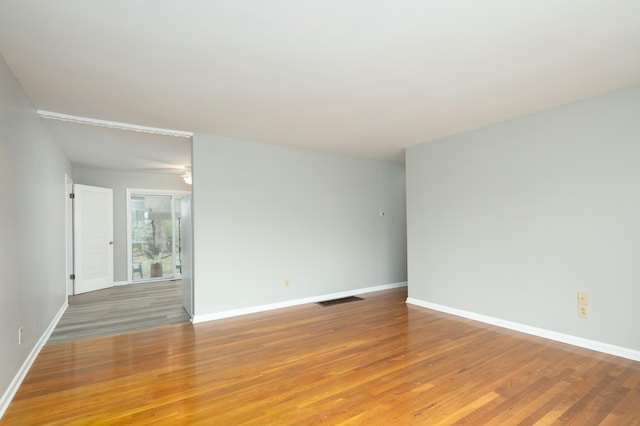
(121, 309)
(378, 361)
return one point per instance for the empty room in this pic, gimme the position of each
(408, 212)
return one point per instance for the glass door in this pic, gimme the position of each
(155, 226)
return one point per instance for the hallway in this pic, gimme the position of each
(121, 309)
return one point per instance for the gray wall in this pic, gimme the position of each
(32, 232)
(119, 181)
(511, 220)
(265, 214)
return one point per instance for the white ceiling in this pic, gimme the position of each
(364, 78)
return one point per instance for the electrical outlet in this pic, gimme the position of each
(20, 336)
(583, 311)
(583, 298)
(286, 284)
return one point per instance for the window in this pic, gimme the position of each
(154, 229)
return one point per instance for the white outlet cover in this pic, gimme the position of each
(583, 298)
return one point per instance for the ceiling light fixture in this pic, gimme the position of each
(187, 176)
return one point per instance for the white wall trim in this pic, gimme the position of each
(13, 387)
(535, 331)
(113, 124)
(119, 283)
(288, 303)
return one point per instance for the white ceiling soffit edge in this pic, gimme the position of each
(113, 124)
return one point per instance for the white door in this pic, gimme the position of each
(93, 238)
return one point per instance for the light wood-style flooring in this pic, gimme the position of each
(371, 362)
(121, 309)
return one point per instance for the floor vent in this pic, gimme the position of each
(341, 300)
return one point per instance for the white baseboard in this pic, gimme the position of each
(535, 331)
(8, 395)
(288, 303)
(119, 283)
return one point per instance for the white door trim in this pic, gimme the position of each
(68, 189)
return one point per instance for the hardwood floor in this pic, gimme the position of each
(374, 362)
(121, 309)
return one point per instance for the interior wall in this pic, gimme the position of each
(32, 230)
(264, 215)
(512, 220)
(119, 181)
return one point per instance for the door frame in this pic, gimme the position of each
(69, 267)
